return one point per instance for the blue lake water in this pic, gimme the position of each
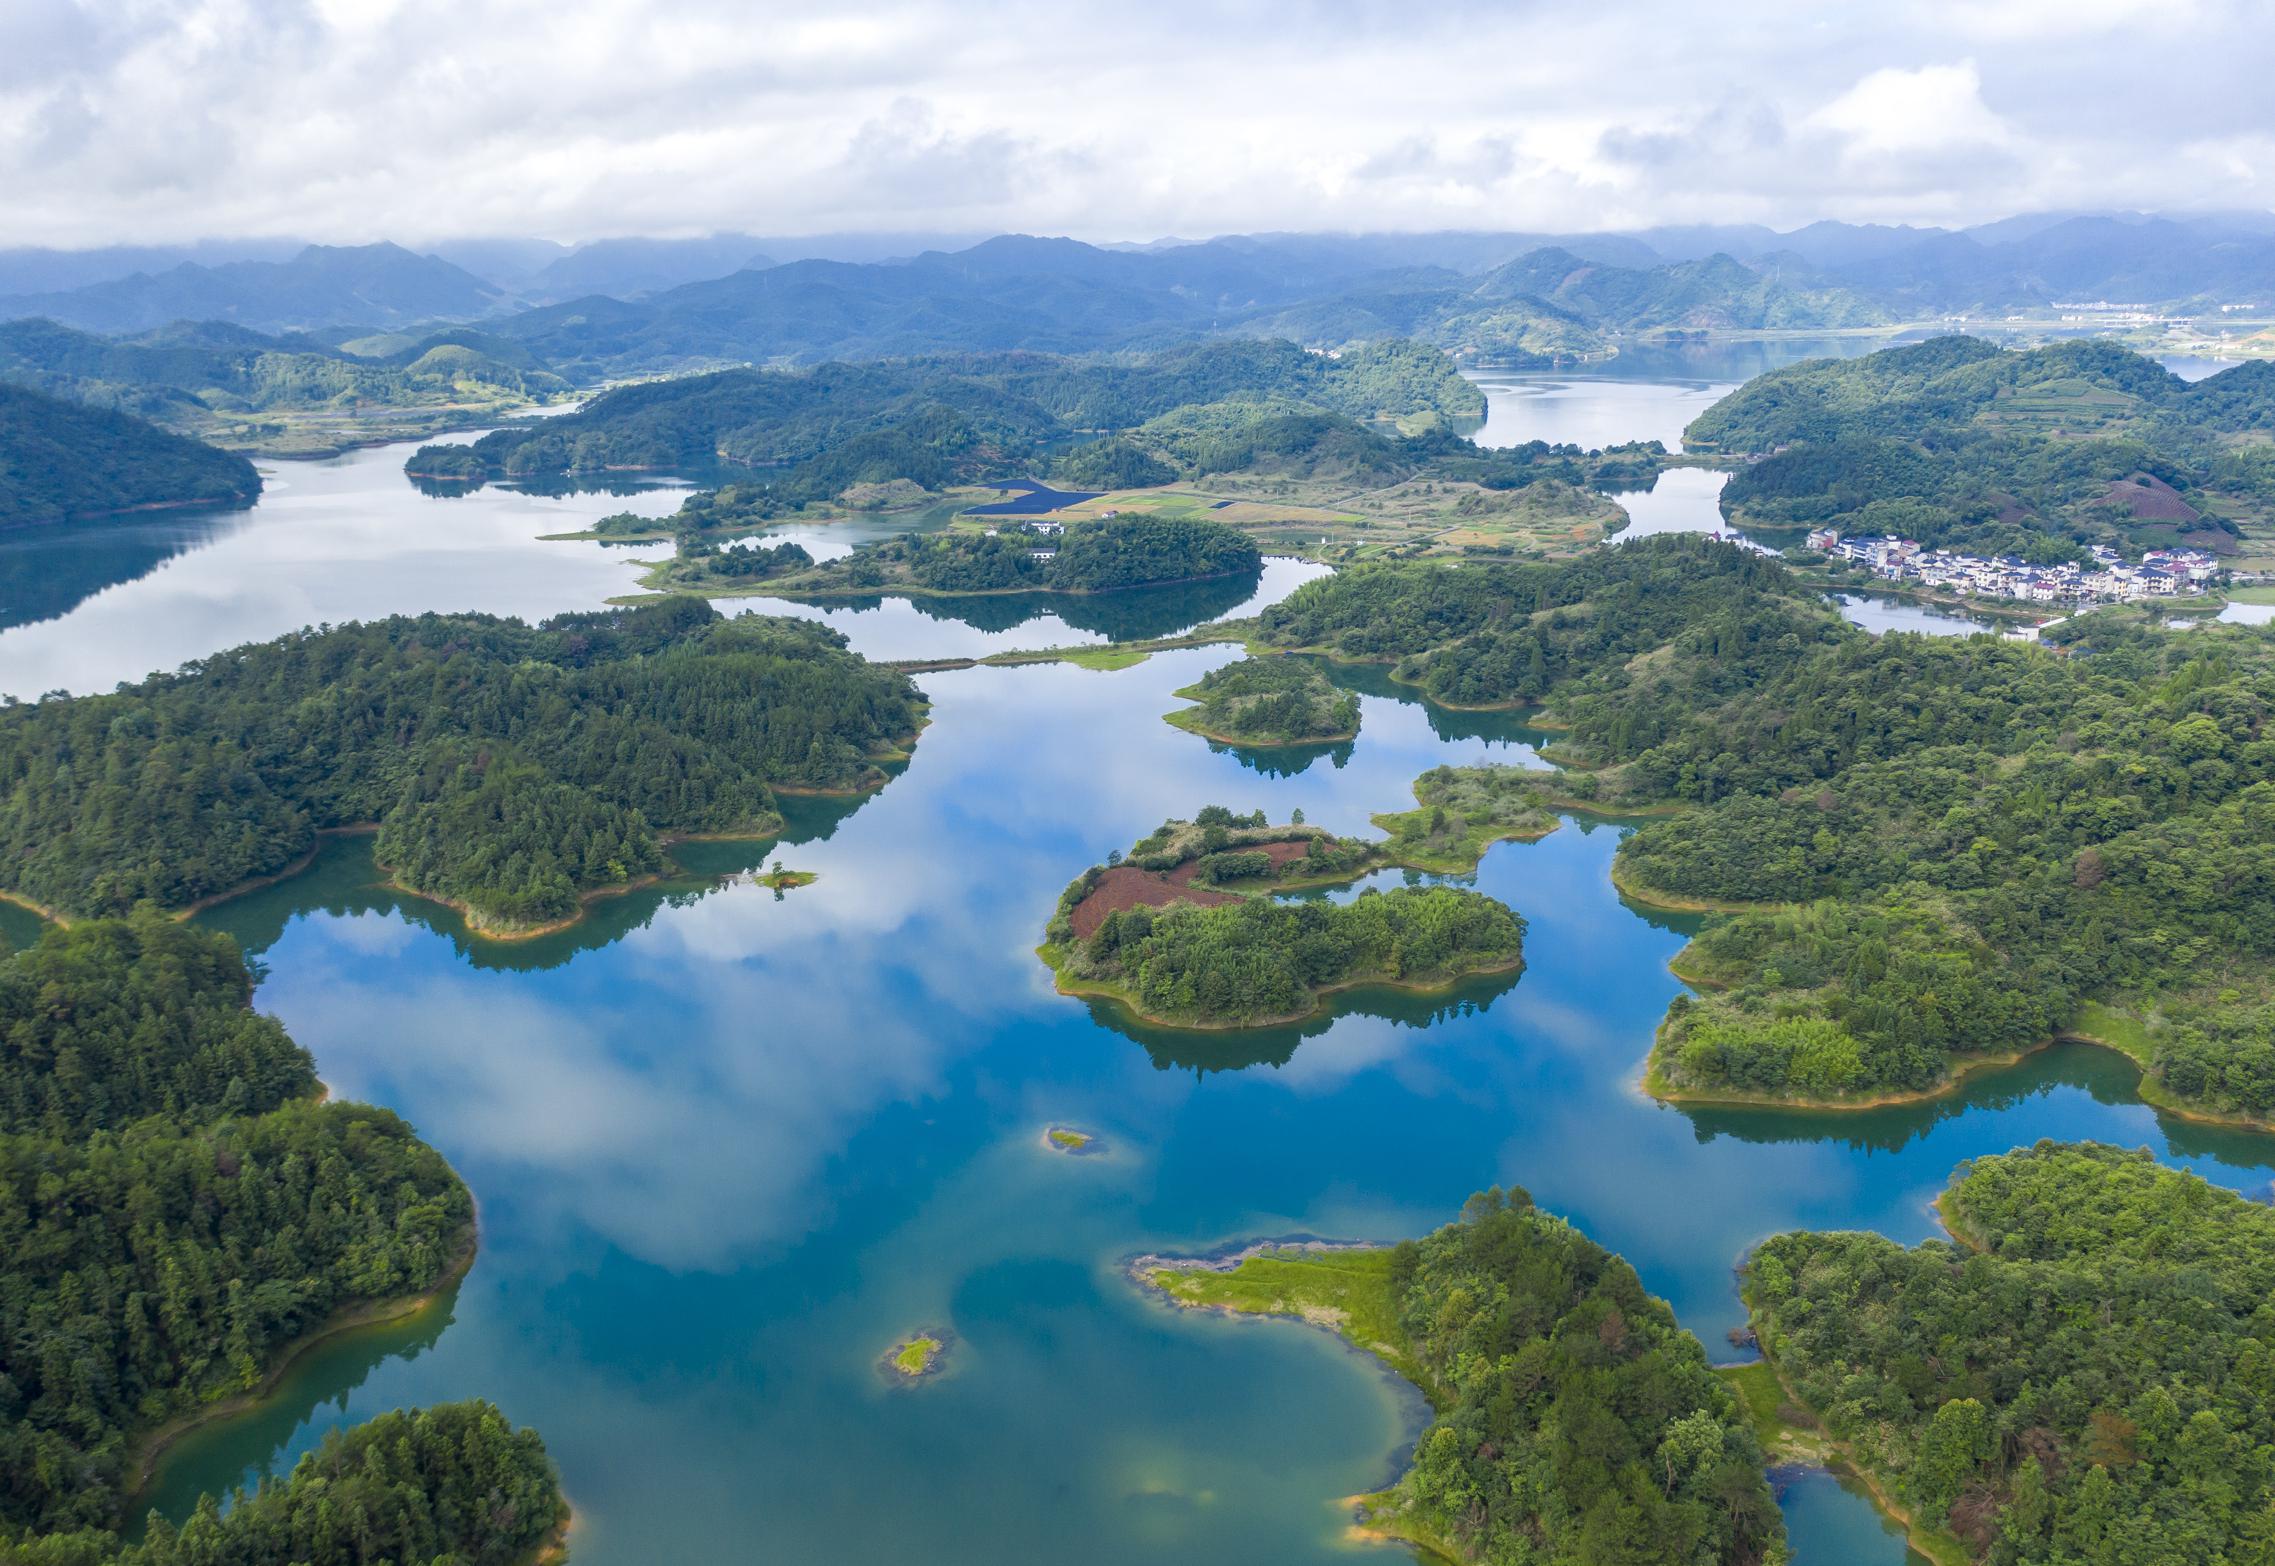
(728, 1145)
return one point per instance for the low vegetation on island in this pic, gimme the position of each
(510, 770)
(1185, 932)
(61, 461)
(1462, 811)
(1934, 851)
(917, 1356)
(2078, 1375)
(179, 1211)
(1268, 701)
(1573, 1419)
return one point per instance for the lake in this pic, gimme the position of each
(730, 1145)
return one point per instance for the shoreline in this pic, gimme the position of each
(651, 587)
(236, 502)
(1933, 1545)
(1360, 1525)
(1674, 902)
(145, 1452)
(1053, 957)
(2147, 1090)
(1186, 720)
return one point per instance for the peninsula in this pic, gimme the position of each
(189, 1139)
(1999, 1427)
(1530, 1341)
(512, 771)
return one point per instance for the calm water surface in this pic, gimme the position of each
(730, 1145)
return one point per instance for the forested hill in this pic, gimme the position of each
(1956, 442)
(1962, 847)
(943, 420)
(176, 1211)
(509, 768)
(2082, 1377)
(212, 378)
(60, 461)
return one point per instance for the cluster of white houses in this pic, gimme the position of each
(2108, 578)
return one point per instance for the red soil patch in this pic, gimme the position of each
(1126, 886)
(1278, 853)
(2150, 499)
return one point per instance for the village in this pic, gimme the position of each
(2107, 578)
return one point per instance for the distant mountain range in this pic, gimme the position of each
(634, 305)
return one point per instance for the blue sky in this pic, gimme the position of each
(429, 119)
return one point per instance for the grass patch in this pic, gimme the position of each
(2122, 1031)
(1106, 659)
(917, 1356)
(1348, 1290)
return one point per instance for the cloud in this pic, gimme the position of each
(1934, 109)
(428, 119)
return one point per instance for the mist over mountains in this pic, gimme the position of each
(633, 305)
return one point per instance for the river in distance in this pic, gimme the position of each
(729, 1145)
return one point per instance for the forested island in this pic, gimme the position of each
(510, 770)
(1959, 444)
(1268, 701)
(2078, 1374)
(180, 1212)
(1082, 557)
(1573, 1419)
(1940, 851)
(1347, 455)
(1184, 931)
(952, 418)
(61, 461)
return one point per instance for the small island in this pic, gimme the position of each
(919, 1356)
(1018, 557)
(1520, 1331)
(1184, 932)
(1269, 700)
(1067, 1140)
(782, 880)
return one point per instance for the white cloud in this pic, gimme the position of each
(425, 119)
(1933, 109)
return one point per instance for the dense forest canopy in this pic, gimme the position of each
(2082, 1377)
(1976, 837)
(1957, 443)
(509, 767)
(60, 461)
(1105, 556)
(176, 1209)
(1253, 960)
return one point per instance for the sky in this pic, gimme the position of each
(423, 120)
